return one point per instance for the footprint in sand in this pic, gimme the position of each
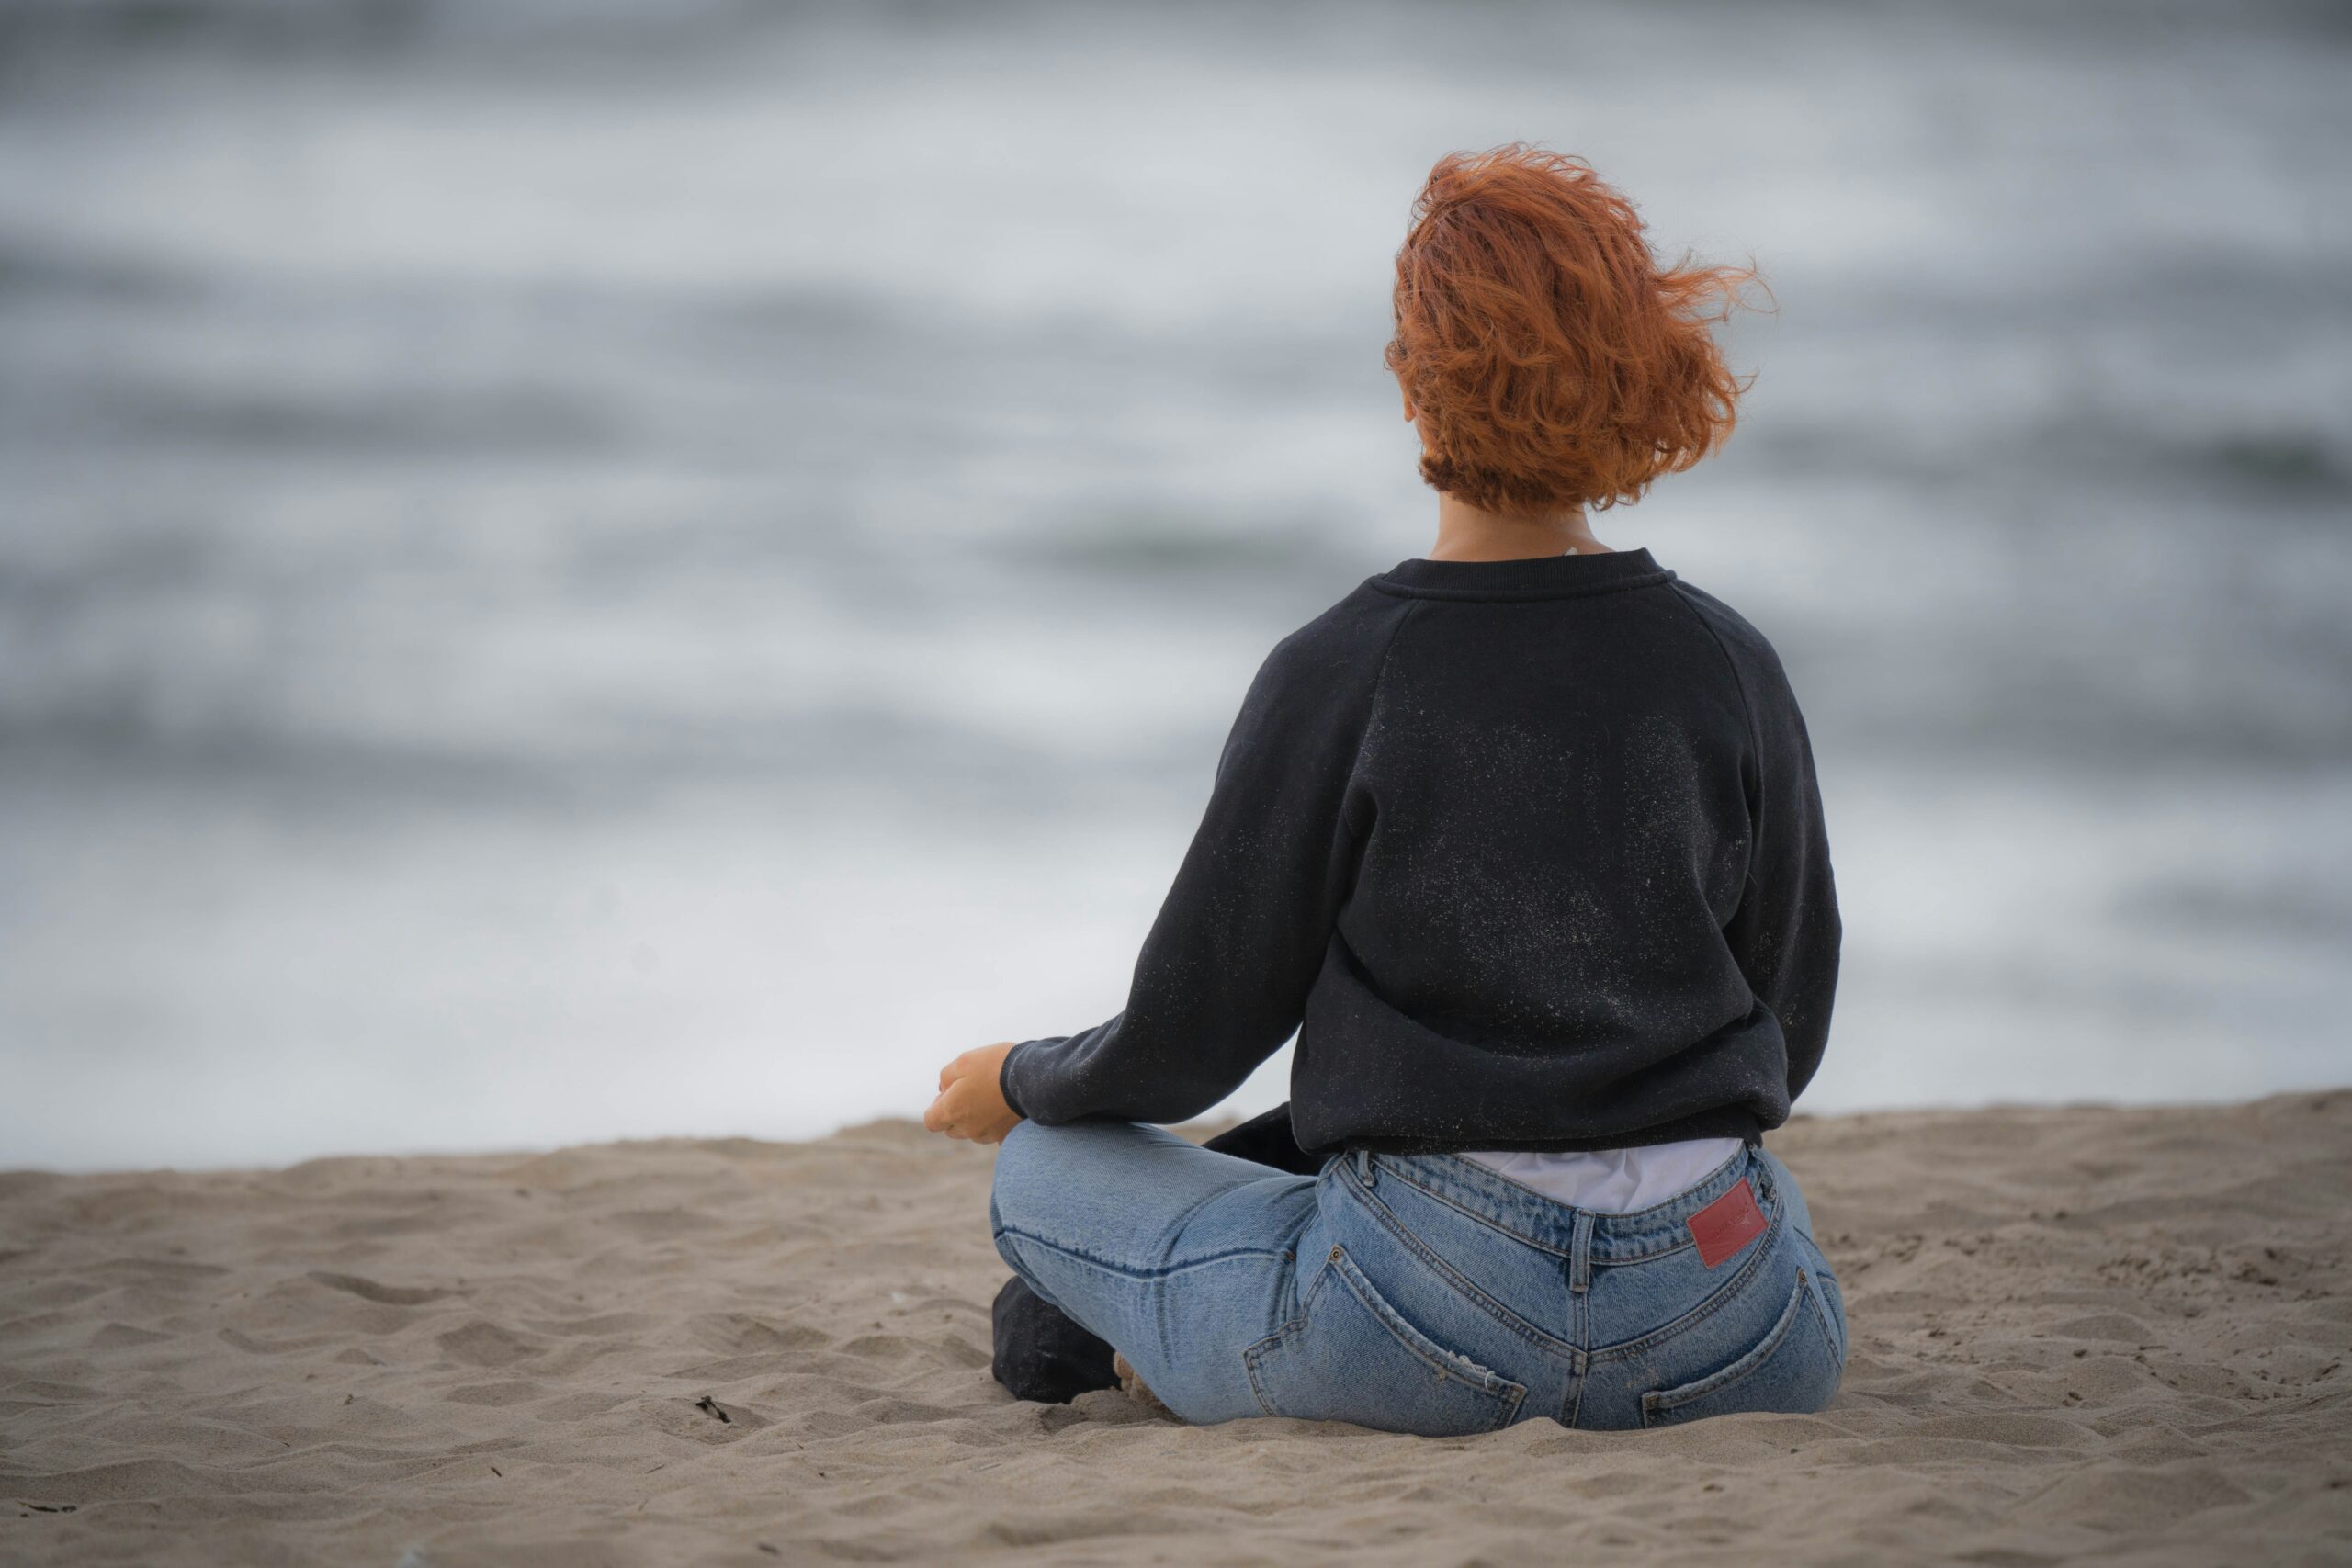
(482, 1344)
(371, 1290)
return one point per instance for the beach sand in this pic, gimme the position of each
(2076, 1333)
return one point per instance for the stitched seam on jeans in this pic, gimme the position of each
(1821, 1316)
(1768, 1202)
(1723, 1296)
(1306, 1300)
(1388, 1318)
(1249, 1365)
(1747, 1366)
(1476, 1297)
(1600, 1259)
(1253, 1356)
(1122, 1270)
(1508, 1397)
(1486, 1220)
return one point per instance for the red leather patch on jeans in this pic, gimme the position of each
(1728, 1224)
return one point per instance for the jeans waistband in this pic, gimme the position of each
(1523, 1213)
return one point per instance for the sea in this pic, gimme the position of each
(595, 570)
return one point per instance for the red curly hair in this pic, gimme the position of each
(1551, 362)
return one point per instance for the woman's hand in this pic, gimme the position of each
(971, 1102)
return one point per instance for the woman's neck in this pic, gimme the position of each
(1469, 533)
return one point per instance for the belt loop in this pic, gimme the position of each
(1364, 1166)
(1580, 1254)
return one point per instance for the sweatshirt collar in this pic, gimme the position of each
(1544, 577)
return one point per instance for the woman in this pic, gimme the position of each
(1523, 837)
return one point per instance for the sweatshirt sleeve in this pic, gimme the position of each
(1786, 934)
(1222, 976)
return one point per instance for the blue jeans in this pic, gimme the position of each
(1417, 1293)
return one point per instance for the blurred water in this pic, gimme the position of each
(582, 572)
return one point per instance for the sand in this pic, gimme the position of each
(2105, 1334)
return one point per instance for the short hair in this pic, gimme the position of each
(1554, 361)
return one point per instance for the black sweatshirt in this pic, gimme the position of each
(1529, 852)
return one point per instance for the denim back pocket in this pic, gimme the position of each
(1349, 1355)
(1794, 1369)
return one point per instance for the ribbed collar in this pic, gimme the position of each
(1544, 577)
